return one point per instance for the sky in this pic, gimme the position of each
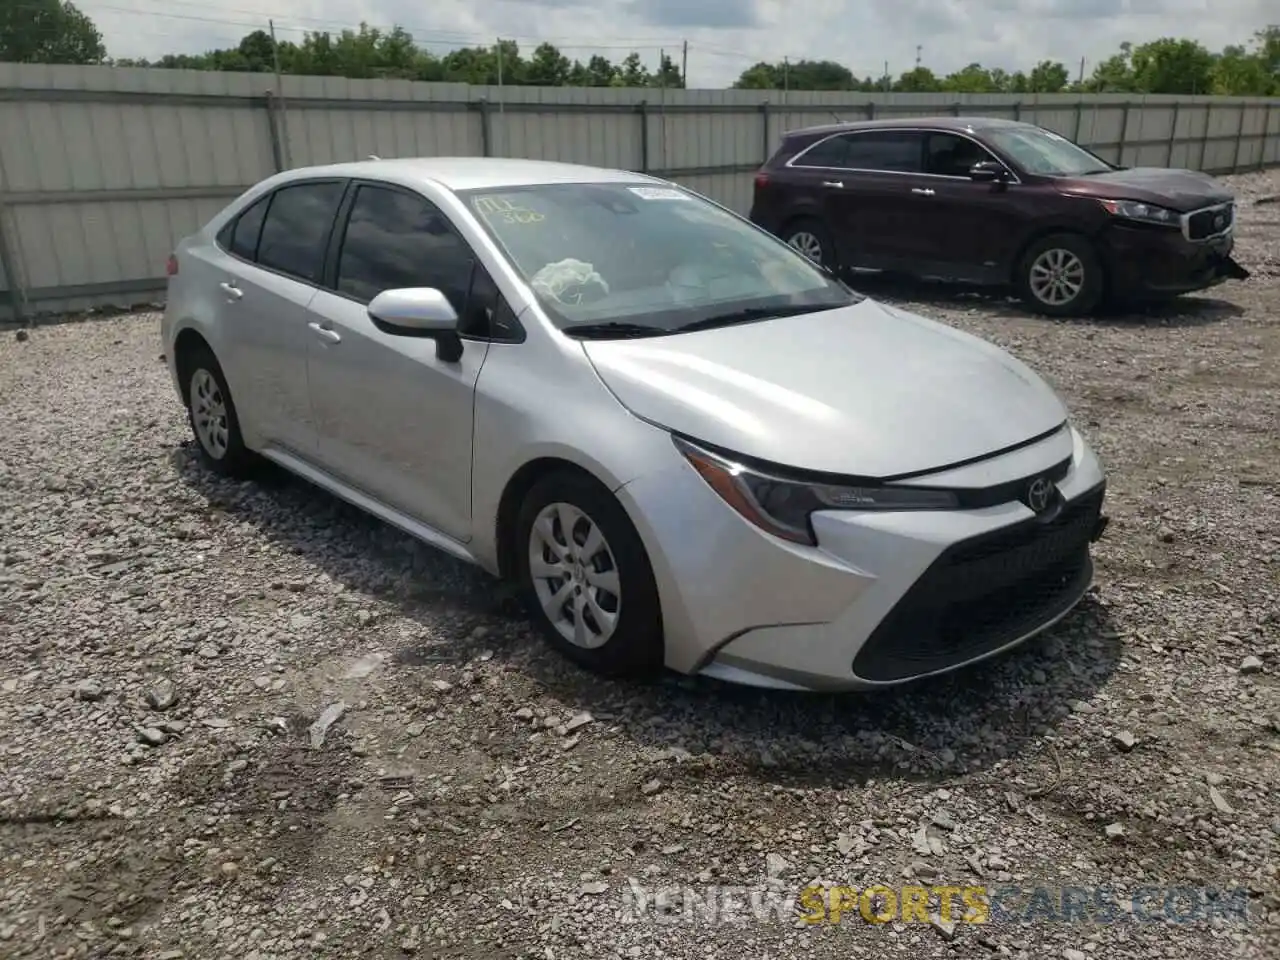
(724, 36)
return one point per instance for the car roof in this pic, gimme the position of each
(931, 123)
(468, 173)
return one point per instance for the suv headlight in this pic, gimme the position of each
(782, 506)
(1142, 212)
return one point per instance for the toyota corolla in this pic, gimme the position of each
(690, 445)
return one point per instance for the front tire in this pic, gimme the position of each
(586, 578)
(212, 415)
(811, 238)
(1061, 276)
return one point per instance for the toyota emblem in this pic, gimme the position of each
(1039, 493)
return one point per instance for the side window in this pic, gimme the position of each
(394, 240)
(240, 235)
(951, 155)
(897, 151)
(296, 231)
(487, 314)
(832, 152)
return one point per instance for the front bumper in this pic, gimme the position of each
(1152, 262)
(886, 597)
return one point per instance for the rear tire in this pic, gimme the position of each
(1061, 276)
(212, 415)
(586, 579)
(811, 238)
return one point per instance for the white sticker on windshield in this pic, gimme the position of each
(658, 193)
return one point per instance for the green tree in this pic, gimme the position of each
(548, 67)
(919, 80)
(1169, 65)
(48, 31)
(975, 78)
(1048, 76)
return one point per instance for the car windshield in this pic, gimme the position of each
(640, 259)
(1045, 153)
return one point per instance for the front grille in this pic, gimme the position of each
(1211, 222)
(984, 593)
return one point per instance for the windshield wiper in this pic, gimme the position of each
(614, 330)
(751, 314)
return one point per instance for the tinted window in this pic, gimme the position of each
(243, 241)
(396, 240)
(952, 156)
(898, 151)
(828, 153)
(297, 228)
(488, 314)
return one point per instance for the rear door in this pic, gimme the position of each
(869, 197)
(972, 228)
(393, 418)
(273, 259)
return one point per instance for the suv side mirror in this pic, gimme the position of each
(989, 171)
(419, 312)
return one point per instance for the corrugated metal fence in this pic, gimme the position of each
(103, 169)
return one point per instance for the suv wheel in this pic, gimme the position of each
(586, 577)
(1060, 276)
(811, 238)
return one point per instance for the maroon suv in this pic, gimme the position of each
(996, 202)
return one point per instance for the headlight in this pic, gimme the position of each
(782, 507)
(1142, 212)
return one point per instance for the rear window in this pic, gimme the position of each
(296, 231)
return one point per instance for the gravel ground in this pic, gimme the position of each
(167, 641)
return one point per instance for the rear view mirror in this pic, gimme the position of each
(419, 312)
(988, 171)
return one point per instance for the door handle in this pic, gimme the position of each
(923, 191)
(327, 332)
(231, 290)
(838, 184)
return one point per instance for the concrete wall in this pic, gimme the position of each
(103, 169)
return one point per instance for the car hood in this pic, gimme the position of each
(865, 390)
(1180, 190)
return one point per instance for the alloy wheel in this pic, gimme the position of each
(805, 242)
(1057, 277)
(575, 575)
(209, 414)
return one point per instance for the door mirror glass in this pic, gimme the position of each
(988, 171)
(419, 312)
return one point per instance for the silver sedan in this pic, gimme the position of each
(688, 444)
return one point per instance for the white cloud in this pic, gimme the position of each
(724, 36)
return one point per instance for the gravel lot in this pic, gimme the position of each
(167, 639)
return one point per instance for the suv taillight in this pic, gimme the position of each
(762, 179)
(171, 268)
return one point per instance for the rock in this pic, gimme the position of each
(151, 736)
(1124, 740)
(1071, 953)
(776, 866)
(328, 717)
(441, 686)
(593, 888)
(208, 651)
(945, 928)
(846, 844)
(162, 695)
(1251, 664)
(524, 713)
(1114, 831)
(923, 870)
(416, 728)
(88, 690)
(943, 821)
(650, 787)
(363, 667)
(235, 766)
(22, 336)
(1220, 801)
(578, 720)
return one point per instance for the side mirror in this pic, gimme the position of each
(988, 171)
(419, 312)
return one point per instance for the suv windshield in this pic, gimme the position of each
(620, 259)
(1045, 153)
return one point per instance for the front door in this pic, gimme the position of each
(393, 419)
(972, 227)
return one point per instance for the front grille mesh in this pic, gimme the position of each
(1203, 224)
(984, 593)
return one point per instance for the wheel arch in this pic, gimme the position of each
(1044, 231)
(188, 344)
